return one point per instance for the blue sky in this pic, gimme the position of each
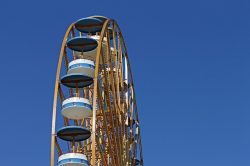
(191, 68)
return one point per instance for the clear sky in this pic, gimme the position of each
(191, 68)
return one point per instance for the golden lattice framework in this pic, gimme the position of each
(115, 128)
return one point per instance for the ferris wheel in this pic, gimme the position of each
(95, 119)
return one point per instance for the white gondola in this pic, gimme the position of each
(73, 159)
(91, 55)
(76, 108)
(83, 66)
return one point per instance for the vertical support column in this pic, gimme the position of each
(126, 76)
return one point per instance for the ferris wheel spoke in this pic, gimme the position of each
(59, 151)
(61, 95)
(113, 90)
(106, 92)
(101, 152)
(101, 102)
